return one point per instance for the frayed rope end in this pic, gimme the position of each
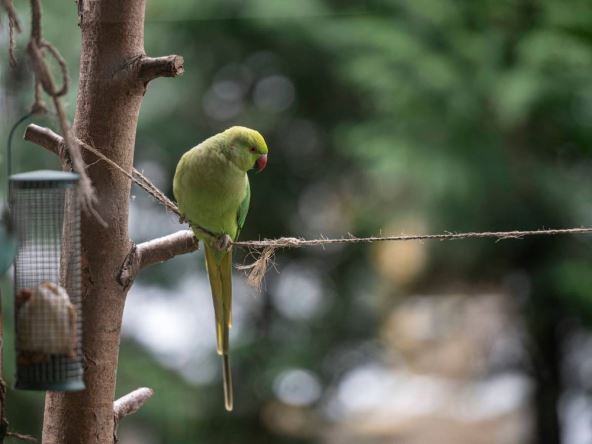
(257, 270)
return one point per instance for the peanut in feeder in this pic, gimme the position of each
(46, 320)
(46, 216)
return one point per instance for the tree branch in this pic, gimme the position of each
(20, 436)
(129, 404)
(155, 251)
(167, 66)
(132, 402)
(46, 138)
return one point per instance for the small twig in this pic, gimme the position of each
(129, 404)
(132, 402)
(155, 251)
(153, 67)
(20, 436)
(46, 138)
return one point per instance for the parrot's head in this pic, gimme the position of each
(246, 148)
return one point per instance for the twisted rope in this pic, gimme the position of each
(38, 49)
(264, 250)
(293, 242)
(14, 25)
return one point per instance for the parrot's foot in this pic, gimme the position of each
(223, 243)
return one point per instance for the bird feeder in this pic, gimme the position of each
(45, 213)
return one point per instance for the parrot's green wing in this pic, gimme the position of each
(241, 216)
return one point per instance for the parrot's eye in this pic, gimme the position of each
(252, 149)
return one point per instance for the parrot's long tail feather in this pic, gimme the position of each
(227, 375)
(226, 278)
(219, 266)
(219, 274)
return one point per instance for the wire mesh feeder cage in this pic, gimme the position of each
(48, 315)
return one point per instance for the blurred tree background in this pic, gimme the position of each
(416, 116)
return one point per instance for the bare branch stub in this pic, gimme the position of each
(81, 7)
(155, 251)
(20, 436)
(152, 67)
(51, 141)
(132, 402)
(129, 404)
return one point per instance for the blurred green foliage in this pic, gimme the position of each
(465, 115)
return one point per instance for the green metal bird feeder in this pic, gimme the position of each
(45, 214)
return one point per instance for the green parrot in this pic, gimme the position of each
(212, 191)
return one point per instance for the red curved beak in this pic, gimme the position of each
(261, 163)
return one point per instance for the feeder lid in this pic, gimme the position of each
(49, 178)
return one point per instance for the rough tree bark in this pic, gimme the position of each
(114, 73)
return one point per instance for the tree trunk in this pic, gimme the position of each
(109, 96)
